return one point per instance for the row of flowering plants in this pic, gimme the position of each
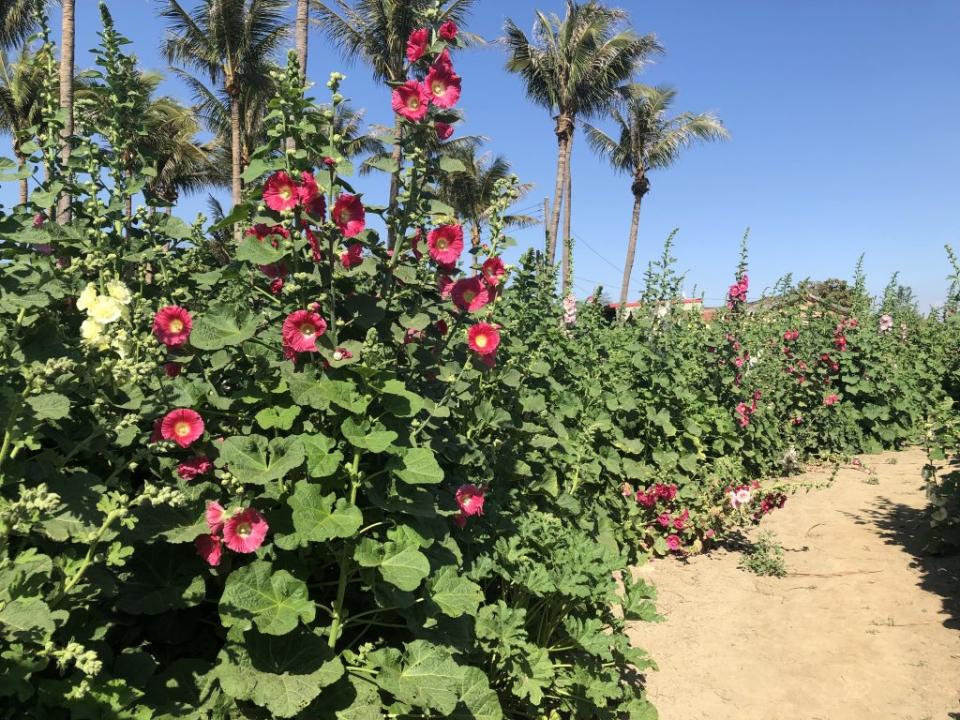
(280, 485)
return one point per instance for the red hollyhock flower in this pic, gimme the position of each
(172, 325)
(664, 519)
(245, 531)
(182, 425)
(448, 31)
(209, 548)
(171, 369)
(441, 326)
(470, 294)
(310, 196)
(280, 192)
(349, 215)
(315, 250)
(215, 516)
(443, 60)
(483, 338)
(488, 360)
(262, 232)
(445, 286)
(470, 498)
(493, 271)
(444, 130)
(301, 330)
(411, 100)
(443, 85)
(276, 285)
(353, 256)
(445, 244)
(417, 44)
(647, 500)
(156, 435)
(194, 467)
(673, 542)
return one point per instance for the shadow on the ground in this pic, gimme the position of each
(909, 527)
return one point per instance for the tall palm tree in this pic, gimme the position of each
(21, 105)
(301, 30)
(348, 124)
(18, 21)
(646, 139)
(376, 32)
(232, 43)
(572, 67)
(67, 31)
(471, 191)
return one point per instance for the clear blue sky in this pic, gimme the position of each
(844, 118)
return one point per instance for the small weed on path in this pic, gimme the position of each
(765, 556)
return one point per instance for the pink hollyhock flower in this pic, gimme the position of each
(171, 369)
(411, 100)
(245, 531)
(664, 519)
(445, 286)
(743, 496)
(172, 325)
(483, 338)
(841, 343)
(156, 435)
(301, 330)
(353, 256)
(666, 492)
(209, 548)
(673, 542)
(470, 294)
(493, 271)
(315, 250)
(417, 44)
(262, 232)
(289, 353)
(831, 399)
(194, 467)
(276, 285)
(886, 323)
(280, 192)
(215, 516)
(183, 426)
(412, 336)
(488, 360)
(448, 31)
(797, 420)
(445, 244)
(341, 353)
(310, 196)
(470, 498)
(39, 219)
(680, 521)
(460, 520)
(349, 215)
(709, 534)
(443, 85)
(444, 130)
(647, 500)
(443, 60)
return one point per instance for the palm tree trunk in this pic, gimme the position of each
(567, 279)
(563, 132)
(68, 27)
(300, 35)
(236, 150)
(397, 157)
(631, 257)
(475, 235)
(24, 182)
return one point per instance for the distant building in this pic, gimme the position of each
(632, 308)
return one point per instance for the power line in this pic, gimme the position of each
(602, 257)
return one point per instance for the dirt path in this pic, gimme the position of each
(863, 626)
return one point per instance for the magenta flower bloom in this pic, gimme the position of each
(215, 516)
(353, 256)
(483, 338)
(443, 85)
(349, 215)
(444, 130)
(493, 272)
(172, 325)
(209, 547)
(673, 542)
(310, 196)
(411, 100)
(470, 498)
(301, 330)
(194, 467)
(280, 192)
(417, 44)
(448, 31)
(470, 294)
(445, 244)
(183, 426)
(245, 531)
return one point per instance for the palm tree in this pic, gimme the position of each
(471, 191)
(67, 30)
(348, 124)
(18, 21)
(376, 32)
(232, 43)
(300, 35)
(572, 67)
(21, 105)
(647, 139)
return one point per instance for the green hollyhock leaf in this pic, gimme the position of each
(589, 635)
(453, 593)
(359, 433)
(399, 401)
(27, 619)
(160, 580)
(400, 563)
(277, 417)
(275, 601)
(220, 328)
(323, 458)
(258, 252)
(49, 406)
(318, 517)
(419, 466)
(246, 457)
(425, 676)
(477, 700)
(280, 673)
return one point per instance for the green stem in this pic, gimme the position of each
(108, 521)
(338, 612)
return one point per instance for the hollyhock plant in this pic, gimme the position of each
(445, 244)
(448, 31)
(445, 287)
(215, 516)
(470, 294)
(411, 100)
(647, 500)
(349, 215)
(443, 85)
(171, 369)
(417, 44)
(664, 519)
(493, 271)
(310, 196)
(172, 325)
(470, 498)
(210, 548)
(280, 192)
(443, 130)
(245, 531)
(483, 338)
(674, 543)
(352, 256)
(183, 426)
(886, 323)
(194, 467)
(301, 330)
(460, 520)
(831, 399)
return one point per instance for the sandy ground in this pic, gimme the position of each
(864, 626)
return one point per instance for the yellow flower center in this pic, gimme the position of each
(442, 244)
(413, 102)
(469, 295)
(243, 529)
(176, 325)
(307, 329)
(181, 429)
(480, 341)
(286, 192)
(438, 88)
(345, 216)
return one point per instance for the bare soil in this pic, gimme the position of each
(864, 625)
